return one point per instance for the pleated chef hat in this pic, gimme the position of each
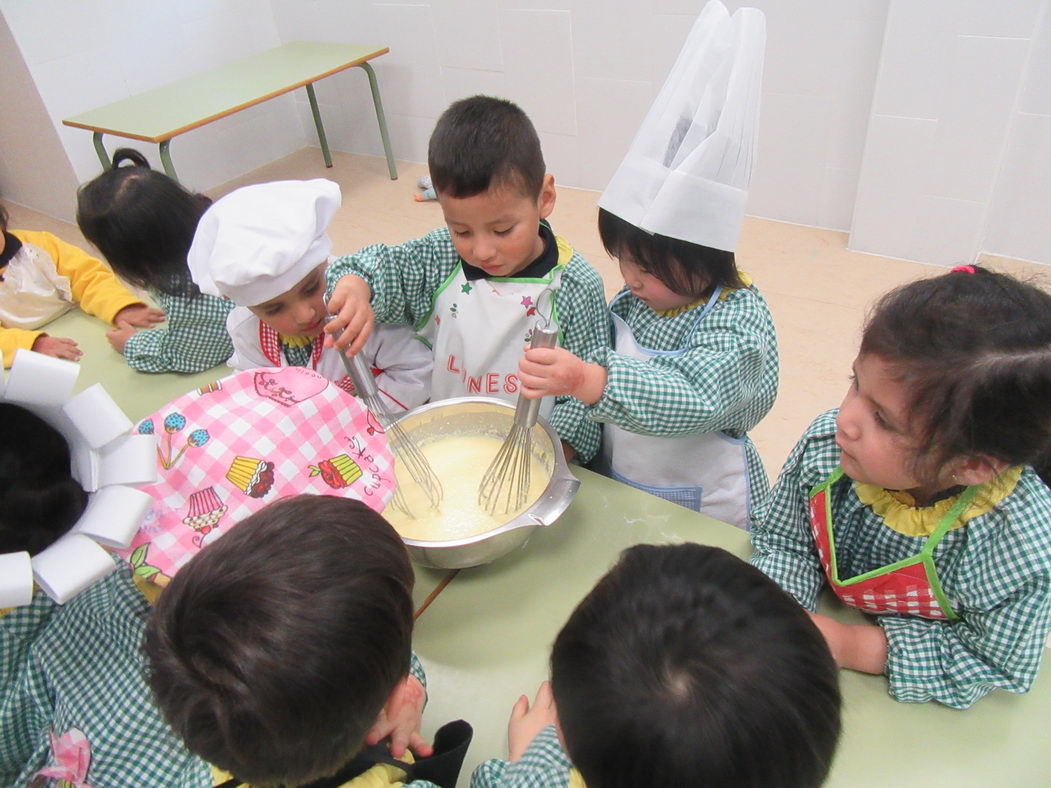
(259, 241)
(686, 173)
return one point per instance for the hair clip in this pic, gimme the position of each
(963, 269)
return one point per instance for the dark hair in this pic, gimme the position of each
(3, 219)
(143, 223)
(481, 143)
(39, 498)
(274, 649)
(687, 666)
(974, 353)
(683, 267)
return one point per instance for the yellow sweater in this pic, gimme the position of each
(94, 287)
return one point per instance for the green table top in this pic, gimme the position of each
(485, 639)
(162, 113)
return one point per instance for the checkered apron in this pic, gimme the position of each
(229, 448)
(909, 586)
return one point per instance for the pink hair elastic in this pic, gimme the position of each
(963, 269)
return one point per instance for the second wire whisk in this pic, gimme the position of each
(406, 451)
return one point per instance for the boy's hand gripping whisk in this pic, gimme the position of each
(405, 449)
(505, 486)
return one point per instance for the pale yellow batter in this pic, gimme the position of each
(459, 462)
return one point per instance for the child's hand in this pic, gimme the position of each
(861, 647)
(352, 307)
(526, 723)
(139, 315)
(550, 372)
(118, 337)
(57, 347)
(400, 719)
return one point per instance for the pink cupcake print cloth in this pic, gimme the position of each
(229, 448)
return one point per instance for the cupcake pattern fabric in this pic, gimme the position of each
(227, 449)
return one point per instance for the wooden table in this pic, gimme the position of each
(163, 113)
(485, 639)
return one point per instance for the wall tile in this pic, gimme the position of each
(611, 111)
(916, 52)
(468, 34)
(1014, 19)
(460, 83)
(602, 41)
(1036, 94)
(410, 82)
(1017, 224)
(538, 62)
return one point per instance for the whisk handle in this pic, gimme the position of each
(527, 410)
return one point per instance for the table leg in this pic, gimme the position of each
(100, 149)
(166, 161)
(378, 103)
(317, 124)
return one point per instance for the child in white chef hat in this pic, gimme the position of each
(266, 248)
(694, 364)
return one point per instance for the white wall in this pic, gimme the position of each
(923, 126)
(85, 53)
(945, 124)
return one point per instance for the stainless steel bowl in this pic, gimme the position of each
(493, 418)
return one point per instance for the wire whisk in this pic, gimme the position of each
(505, 485)
(406, 451)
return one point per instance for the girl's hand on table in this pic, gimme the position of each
(527, 721)
(139, 315)
(552, 372)
(353, 316)
(861, 647)
(57, 347)
(400, 719)
(118, 337)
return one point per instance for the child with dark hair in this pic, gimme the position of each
(683, 666)
(694, 363)
(282, 652)
(475, 289)
(73, 703)
(43, 277)
(917, 500)
(143, 223)
(265, 247)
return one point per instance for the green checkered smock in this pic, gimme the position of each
(79, 665)
(405, 280)
(725, 381)
(543, 765)
(194, 340)
(995, 571)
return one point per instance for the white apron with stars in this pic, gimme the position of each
(707, 472)
(478, 330)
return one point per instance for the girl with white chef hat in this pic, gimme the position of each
(694, 362)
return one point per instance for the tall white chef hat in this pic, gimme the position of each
(259, 241)
(686, 173)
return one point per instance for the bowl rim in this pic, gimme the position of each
(560, 474)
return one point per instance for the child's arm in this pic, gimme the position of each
(1002, 590)
(401, 715)
(93, 285)
(726, 379)
(14, 339)
(583, 321)
(195, 339)
(402, 279)
(781, 539)
(536, 756)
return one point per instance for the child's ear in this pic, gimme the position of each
(546, 200)
(978, 469)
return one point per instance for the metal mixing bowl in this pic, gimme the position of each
(489, 417)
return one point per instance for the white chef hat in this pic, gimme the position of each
(259, 241)
(686, 173)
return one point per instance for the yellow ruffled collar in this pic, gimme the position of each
(900, 513)
(745, 279)
(295, 341)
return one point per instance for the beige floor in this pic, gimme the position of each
(817, 289)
